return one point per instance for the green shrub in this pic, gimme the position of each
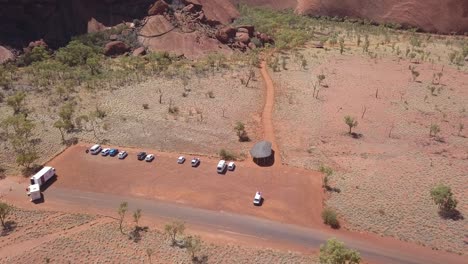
(227, 155)
(330, 218)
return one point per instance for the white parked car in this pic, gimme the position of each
(123, 154)
(181, 160)
(105, 152)
(195, 162)
(221, 166)
(258, 199)
(231, 166)
(95, 149)
(149, 158)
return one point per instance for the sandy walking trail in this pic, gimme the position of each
(267, 115)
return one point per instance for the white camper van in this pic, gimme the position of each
(221, 166)
(95, 149)
(37, 180)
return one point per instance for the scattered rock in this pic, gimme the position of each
(34, 44)
(251, 45)
(242, 37)
(6, 55)
(318, 44)
(115, 48)
(225, 34)
(113, 37)
(189, 8)
(250, 29)
(158, 8)
(139, 51)
(264, 38)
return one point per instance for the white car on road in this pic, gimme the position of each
(258, 199)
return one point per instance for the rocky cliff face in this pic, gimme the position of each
(56, 21)
(440, 16)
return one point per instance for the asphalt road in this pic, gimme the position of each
(371, 251)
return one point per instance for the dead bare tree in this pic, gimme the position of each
(363, 111)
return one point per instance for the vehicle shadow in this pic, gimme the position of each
(39, 201)
(51, 181)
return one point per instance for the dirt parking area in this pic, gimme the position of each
(291, 195)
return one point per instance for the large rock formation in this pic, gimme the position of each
(5, 55)
(442, 16)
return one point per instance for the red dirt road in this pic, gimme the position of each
(291, 195)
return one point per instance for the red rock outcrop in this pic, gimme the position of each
(158, 8)
(442, 16)
(115, 48)
(5, 55)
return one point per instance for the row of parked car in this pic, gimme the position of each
(195, 162)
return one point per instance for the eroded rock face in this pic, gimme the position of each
(158, 8)
(5, 55)
(441, 16)
(225, 34)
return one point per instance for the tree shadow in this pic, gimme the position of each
(356, 135)
(26, 172)
(200, 260)
(332, 189)
(452, 214)
(10, 226)
(135, 235)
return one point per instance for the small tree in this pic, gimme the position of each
(434, 130)
(241, 133)
(137, 216)
(443, 197)
(321, 78)
(341, 45)
(122, 210)
(193, 245)
(330, 218)
(173, 229)
(16, 102)
(335, 252)
(351, 122)
(5, 210)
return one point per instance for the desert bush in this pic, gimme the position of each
(335, 252)
(16, 102)
(443, 197)
(227, 155)
(193, 245)
(241, 133)
(351, 122)
(122, 210)
(5, 210)
(173, 109)
(210, 94)
(173, 230)
(330, 218)
(145, 106)
(434, 130)
(75, 53)
(38, 53)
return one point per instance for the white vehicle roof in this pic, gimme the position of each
(122, 152)
(231, 163)
(41, 172)
(181, 157)
(95, 147)
(258, 195)
(34, 188)
(106, 149)
(221, 163)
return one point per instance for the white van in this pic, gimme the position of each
(95, 149)
(221, 166)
